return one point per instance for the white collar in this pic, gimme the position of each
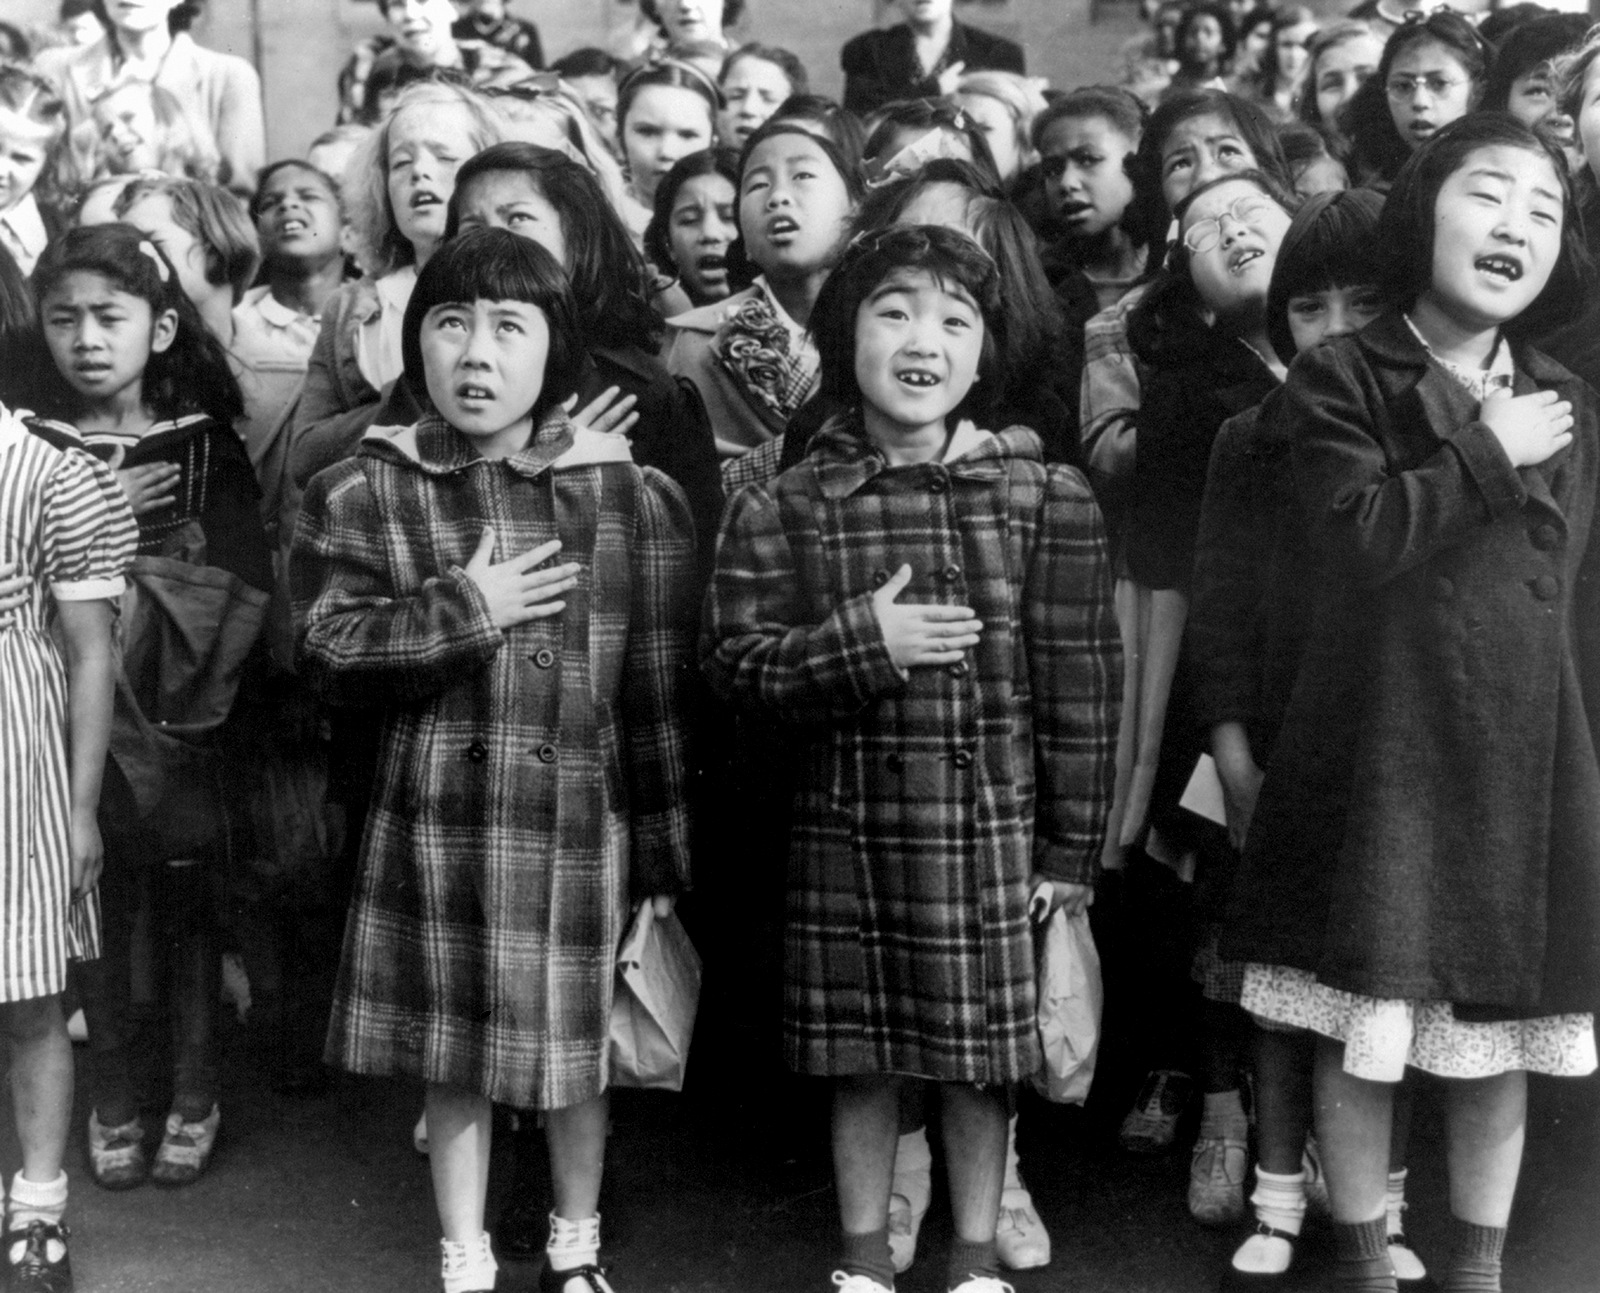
(27, 226)
(966, 439)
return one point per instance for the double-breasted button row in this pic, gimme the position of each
(1546, 587)
(478, 752)
(948, 575)
(1545, 537)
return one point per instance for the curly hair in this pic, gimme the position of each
(383, 248)
(708, 161)
(34, 99)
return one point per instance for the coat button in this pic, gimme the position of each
(1442, 589)
(958, 669)
(962, 758)
(880, 578)
(1546, 538)
(477, 752)
(1546, 588)
(952, 573)
(544, 657)
(546, 753)
(894, 762)
(938, 485)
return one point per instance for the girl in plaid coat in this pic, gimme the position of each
(928, 606)
(531, 770)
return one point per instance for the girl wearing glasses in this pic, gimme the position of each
(1432, 72)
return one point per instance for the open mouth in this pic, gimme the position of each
(291, 227)
(1504, 268)
(422, 198)
(917, 378)
(711, 264)
(471, 391)
(1243, 259)
(1075, 210)
(781, 227)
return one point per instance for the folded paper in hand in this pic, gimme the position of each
(652, 1014)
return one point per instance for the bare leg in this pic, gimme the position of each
(1486, 1119)
(577, 1139)
(1353, 1122)
(459, 1127)
(41, 1083)
(973, 1121)
(866, 1127)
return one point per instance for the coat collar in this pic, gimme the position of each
(708, 318)
(846, 460)
(434, 447)
(1390, 341)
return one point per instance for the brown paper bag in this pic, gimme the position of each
(652, 1014)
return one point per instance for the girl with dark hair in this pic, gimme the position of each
(1523, 81)
(1433, 71)
(910, 134)
(67, 541)
(1206, 41)
(1281, 72)
(543, 195)
(755, 80)
(695, 223)
(904, 897)
(823, 116)
(1445, 471)
(665, 111)
(149, 41)
(450, 939)
(751, 356)
(138, 381)
(1253, 576)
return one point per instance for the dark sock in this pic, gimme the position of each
(868, 1255)
(967, 1260)
(1361, 1257)
(1475, 1258)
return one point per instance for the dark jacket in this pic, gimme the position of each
(880, 66)
(1429, 826)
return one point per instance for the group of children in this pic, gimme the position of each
(960, 482)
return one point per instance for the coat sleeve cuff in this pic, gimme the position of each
(1066, 865)
(1491, 471)
(872, 672)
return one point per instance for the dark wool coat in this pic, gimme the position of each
(1429, 827)
(881, 66)
(527, 778)
(923, 803)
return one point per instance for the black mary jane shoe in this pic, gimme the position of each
(34, 1272)
(594, 1275)
(1235, 1280)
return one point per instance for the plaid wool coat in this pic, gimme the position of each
(526, 777)
(925, 802)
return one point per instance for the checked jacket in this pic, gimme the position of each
(924, 802)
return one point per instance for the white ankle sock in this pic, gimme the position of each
(1407, 1265)
(1223, 1118)
(32, 1201)
(1013, 1179)
(1280, 1202)
(1395, 1201)
(573, 1243)
(469, 1266)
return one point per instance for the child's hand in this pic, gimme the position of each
(515, 590)
(950, 79)
(87, 852)
(1530, 428)
(609, 411)
(919, 634)
(1049, 896)
(1240, 777)
(14, 590)
(150, 487)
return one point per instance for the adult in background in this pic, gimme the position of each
(488, 21)
(923, 57)
(688, 24)
(149, 41)
(423, 42)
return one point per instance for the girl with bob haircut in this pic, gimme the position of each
(396, 188)
(663, 102)
(1433, 71)
(821, 115)
(694, 223)
(1446, 472)
(533, 772)
(980, 799)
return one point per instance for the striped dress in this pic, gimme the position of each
(63, 520)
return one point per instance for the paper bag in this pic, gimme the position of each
(1070, 999)
(652, 1014)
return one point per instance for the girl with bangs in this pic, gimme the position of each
(533, 772)
(1419, 884)
(924, 608)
